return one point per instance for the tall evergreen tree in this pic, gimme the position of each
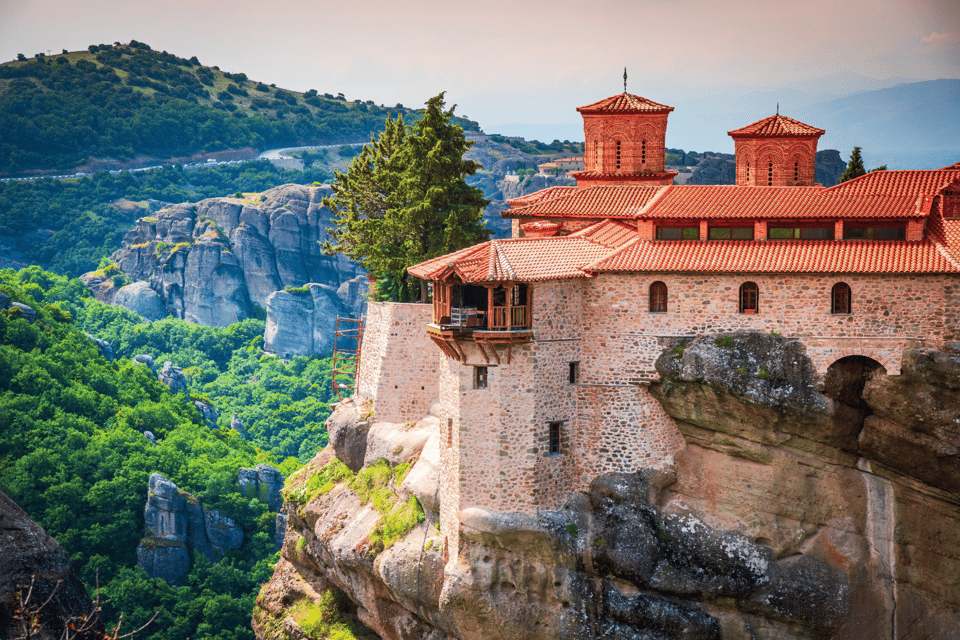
(854, 167)
(405, 199)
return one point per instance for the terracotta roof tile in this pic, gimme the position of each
(897, 183)
(625, 103)
(826, 256)
(776, 127)
(537, 196)
(590, 202)
(946, 234)
(610, 233)
(516, 259)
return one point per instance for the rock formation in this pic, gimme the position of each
(28, 555)
(803, 506)
(24, 311)
(172, 376)
(141, 299)
(214, 261)
(104, 347)
(176, 522)
(263, 483)
(301, 322)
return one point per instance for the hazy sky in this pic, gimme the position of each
(517, 61)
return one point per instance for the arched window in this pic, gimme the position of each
(618, 154)
(658, 297)
(749, 297)
(840, 298)
(769, 174)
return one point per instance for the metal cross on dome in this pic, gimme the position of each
(624, 79)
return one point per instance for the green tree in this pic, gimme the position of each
(854, 167)
(405, 199)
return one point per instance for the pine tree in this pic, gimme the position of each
(854, 167)
(405, 199)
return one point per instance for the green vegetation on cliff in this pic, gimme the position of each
(73, 453)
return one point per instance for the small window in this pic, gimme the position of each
(769, 174)
(748, 172)
(658, 297)
(678, 233)
(643, 152)
(796, 170)
(553, 446)
(618, 154)
(800, 233)
(479, 377)
(596, 156)
(749, 297)
(574, 372)
(731, 233)
(449, 432)
(840, 298)
(872, 233)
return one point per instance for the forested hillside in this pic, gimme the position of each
(126, 101)
(73, 453)
(67, 226)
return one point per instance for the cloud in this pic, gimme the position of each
(937, 37)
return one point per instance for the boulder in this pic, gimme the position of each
(103, 347)
(173, 377)
(31, 556)
(208, 413)
(141, 299)
(354, 294)
(237, 425)
(347, 427)
(26, 311)
(149, 436)
(100, 286)
(147, 360)
(4, 300)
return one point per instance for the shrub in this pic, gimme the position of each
(724, 341)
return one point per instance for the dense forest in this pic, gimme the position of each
(126, 101)
(73, 453)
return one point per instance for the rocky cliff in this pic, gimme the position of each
(35, 570)
(176, 523)
(803, 506)
(213, 262)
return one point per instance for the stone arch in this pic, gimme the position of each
(844, 382)
(828, 360)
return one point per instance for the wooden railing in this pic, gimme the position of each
(519, 318)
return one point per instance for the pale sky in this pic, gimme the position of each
(517, 61)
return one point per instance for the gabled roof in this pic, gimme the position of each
(897, 183)
(610, 233)
(516, 259)
(946, 234)
(777, 126)
(612, 201)
(747, 256)
(625, 103)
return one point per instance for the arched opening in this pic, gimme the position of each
(844, 383)
(749, 297)
(658, 297)
(619, 149)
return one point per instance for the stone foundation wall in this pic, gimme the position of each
(398, 362)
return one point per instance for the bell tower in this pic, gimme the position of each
(776, 152)
(625, 142)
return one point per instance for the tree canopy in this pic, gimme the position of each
(405, 199)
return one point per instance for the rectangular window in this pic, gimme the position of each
(678, 233)
(731, 233)
(873, 233)
(554, 435)
(479, 377)
(800, 233)
(574, 372)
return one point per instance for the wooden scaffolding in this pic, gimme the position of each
(347, 340)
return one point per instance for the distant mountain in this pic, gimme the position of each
(132, 104)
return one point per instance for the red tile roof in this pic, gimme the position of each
(516, 259)
(776, 127)
(610, 233)
(897, 183)
(825, 256)
(946, 234)
(590, 202)
(537, 196)
(625, 103)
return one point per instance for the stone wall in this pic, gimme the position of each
(621, 338)
(398, 361)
